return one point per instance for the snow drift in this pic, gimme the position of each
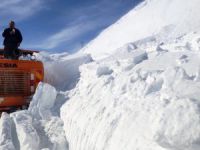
(144, 92)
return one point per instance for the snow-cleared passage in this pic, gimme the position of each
(138, 100)
(40, 127)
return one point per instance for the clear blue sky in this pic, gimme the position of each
(61, 25)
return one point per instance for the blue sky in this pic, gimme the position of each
(61, 25)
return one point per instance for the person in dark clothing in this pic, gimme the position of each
(12, 40)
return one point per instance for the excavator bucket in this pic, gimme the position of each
(18, 82)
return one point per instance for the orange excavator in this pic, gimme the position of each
(18, 81)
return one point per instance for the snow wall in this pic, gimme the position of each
(144, 98)
(142, 91)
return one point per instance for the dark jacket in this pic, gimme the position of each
(12, 39)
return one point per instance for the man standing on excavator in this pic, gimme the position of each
(12, 40)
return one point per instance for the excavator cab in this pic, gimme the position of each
(18, 81)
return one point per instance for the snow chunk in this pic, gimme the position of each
(25, 130)
(43, 101)
(6, 139)
(45, 107)
(139, 56)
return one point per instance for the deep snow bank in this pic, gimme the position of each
(138, 99)
(168, 18)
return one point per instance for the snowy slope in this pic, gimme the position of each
(170, 18)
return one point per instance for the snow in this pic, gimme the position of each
(135, 87)
(40, 127)
(25, 131)
(35, 128)
(152, 103)
(40, 107)
(164, 19)
(5, 132)
(62, 71)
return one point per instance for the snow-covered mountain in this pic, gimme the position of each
(139, 89)
(168, 18)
